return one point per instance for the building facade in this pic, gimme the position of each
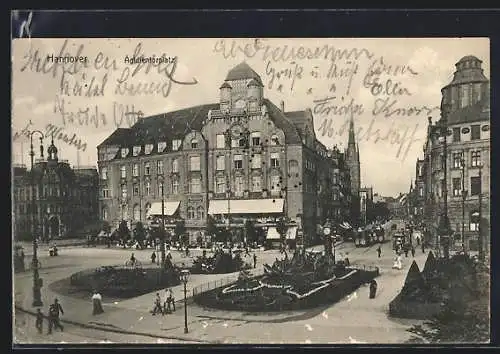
(467, 160)
(416, 196)
(63, 200)
(366, 204)
(242, 158)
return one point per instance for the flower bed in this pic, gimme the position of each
(264, 293)
(124, 282)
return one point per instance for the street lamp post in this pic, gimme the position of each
(37, 281)
(444, 224)
(464, 196)
(185, 278)
(162, 234)
(480, 234)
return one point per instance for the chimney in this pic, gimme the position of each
(282, 105)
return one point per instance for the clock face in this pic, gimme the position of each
(236, 131)
(240, 103)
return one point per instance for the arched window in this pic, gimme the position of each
(200, 213)
(274, 140)
(137, 212)
(293, 166)
(190, 213)
(194, 144)
(105, 213)
(147, 207)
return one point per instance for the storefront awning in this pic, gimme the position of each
(169, 208)
(272, 233)
(247, 206)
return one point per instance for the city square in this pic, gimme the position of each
(242, 214)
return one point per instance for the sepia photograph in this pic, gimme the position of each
(250, 190)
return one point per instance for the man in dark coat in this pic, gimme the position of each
(379, 251)
(373, 288)
(54, 312)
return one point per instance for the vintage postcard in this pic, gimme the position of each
(251, 191)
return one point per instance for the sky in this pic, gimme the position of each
(389, 87)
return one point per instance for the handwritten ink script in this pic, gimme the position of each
(85, 80)
(343, 83)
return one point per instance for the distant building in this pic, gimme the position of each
(65, 198)
(366, 203)
(242, 158)
(468, 147)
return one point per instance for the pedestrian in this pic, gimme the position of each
(418, 240)
(346, 261)
(39, 320)
(157, 305)
(55, 310)
(373, 288)
(97, 303)
(423, 247)
(379, 251)
(153, 257)
(170, 303)
(254, 260)
(412, 251)
(132, 259)
(406, 250)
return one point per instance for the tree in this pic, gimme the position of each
(211, 226)
(250, 231)
(282, 228)
(123, 232)
(180, 229)
(140, 234)
(380, 211)
(106, 227)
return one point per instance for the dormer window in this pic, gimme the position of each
(194, 144)
(161, 146)
(137, 150)
(148, 148)
(176, 143)
(124, 152)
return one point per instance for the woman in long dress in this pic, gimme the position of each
(97, 303)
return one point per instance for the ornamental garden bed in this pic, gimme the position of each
(123, 282)
(288, 292)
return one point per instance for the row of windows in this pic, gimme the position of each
(26, 209)
(192, 213)
(195, 165)
(475, 186)
(24, 194)
(475, 133)
(458, 159)
(221, 186)
(255, 140)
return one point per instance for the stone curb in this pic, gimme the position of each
(122, 331)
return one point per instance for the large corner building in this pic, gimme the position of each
(467, 161)
(242, 158)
